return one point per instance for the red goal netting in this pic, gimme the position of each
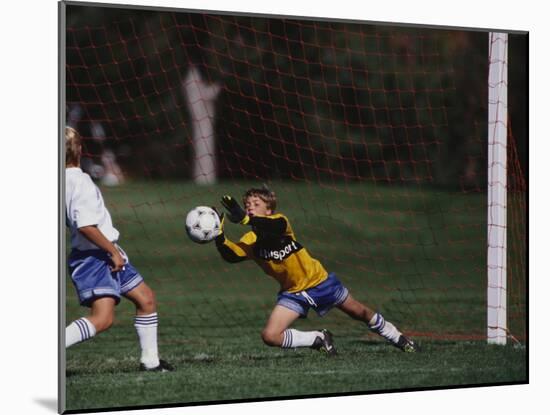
(373, 137)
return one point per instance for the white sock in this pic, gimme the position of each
(146, 327)
(384, 328)
(78, 331)
(295, 338)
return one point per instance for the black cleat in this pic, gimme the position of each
(407, 345)
(163, 366)
(324, 344)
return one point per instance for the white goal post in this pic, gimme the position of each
(496, 188)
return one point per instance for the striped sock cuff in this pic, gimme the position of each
(287, 339)
(378, 324)
(86, 328)
(148, 320)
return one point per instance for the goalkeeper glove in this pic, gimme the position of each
(236, 212)
(222, 219)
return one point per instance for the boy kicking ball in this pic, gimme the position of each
(304, 281)
(99, 268)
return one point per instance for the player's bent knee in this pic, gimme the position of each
(102, 313)
(103, 322)
(149, 304)
(144, 299)
(107, 324)
(272, 338)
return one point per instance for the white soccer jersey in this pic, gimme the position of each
(85, 207)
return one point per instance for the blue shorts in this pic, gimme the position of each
(321, 298)
(92, 277)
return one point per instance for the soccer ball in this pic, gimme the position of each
(202, 224)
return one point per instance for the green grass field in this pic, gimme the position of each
(416, 255)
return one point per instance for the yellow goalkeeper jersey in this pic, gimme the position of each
(273, 246)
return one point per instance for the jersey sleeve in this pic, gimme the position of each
(235, 252)
(86, 205)
(273, 225)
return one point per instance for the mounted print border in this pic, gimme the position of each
(370, 176)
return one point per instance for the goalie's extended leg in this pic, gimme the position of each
(377, 324)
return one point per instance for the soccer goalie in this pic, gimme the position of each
(99, 268)
(305, 283)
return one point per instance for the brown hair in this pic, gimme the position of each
(73, 147)
(263, 193)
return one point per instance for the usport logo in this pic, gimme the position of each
(280, 254)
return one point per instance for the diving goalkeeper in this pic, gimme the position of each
(305, 283)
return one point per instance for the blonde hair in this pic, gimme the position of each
(265, 194)
(73, 146)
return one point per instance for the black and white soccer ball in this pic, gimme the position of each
(202, 224)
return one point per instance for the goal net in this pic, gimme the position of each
(374, 138)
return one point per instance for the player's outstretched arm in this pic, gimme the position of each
(229, 250)
(94, 235)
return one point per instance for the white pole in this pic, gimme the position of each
(201, 98)
(496, 187)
